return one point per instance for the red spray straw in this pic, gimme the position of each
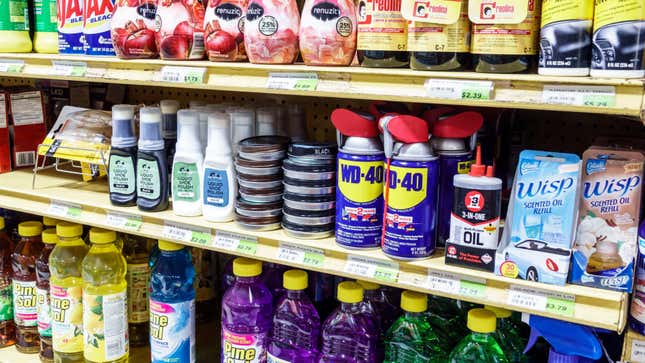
(350, 123)
(461, 125)
(478, 169)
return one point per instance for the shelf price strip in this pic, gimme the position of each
(69, 68)
(638, 351)
(304, 255)
(236, 243)
(459, 89)
(188, 75)
(64, 209)
(130, 222)
(11, 65)
(293, 81)
(452, 284)
(592, 96)
(370, 268)
(192, 234)
(559, 304)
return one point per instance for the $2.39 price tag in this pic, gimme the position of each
(192, 234)
(309, 256)
(459, 89)
(236, 242)
(370, 268)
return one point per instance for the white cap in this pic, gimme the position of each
(218, 133)
(123, 126)
(169, 116)
(196, 103)
(188, 122)
(219, 120)
(150, 129)
(169, 106)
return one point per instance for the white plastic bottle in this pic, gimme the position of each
(242, 124)
(203, 111)
(187, 166)
(220, 187)
(266, 122)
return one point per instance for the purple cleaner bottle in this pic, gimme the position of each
(296, 324)
(246, 315)
(637, 311)
(349, 335)
(378, 306)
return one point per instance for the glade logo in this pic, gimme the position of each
(254, 12)
(325, 11)
(611, 186)
(529, 166)
(595, 166)
(551, 188)
(147, 10)
(228, 11)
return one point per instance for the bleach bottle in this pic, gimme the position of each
(70, 16)
(96, 29)
(187, 166)
(359, 192)
(172, 305)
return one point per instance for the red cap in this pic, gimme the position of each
(478, 169)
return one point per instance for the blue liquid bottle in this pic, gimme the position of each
(172, 305)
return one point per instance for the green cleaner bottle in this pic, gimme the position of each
(508, 335)
(411, 338)
(480, 345)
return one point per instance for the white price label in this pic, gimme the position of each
(11, 65)
(124, 221)
(459, 89)
(592, 96)
(638, 351)
(293, 81)
(236, 243)
(301, 254)
(554, 303)
(192, 234)
(69, 68)
(452, 284)
(64, 209)
(190, 75)
(367, 267)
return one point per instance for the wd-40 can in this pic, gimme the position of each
(360, 175)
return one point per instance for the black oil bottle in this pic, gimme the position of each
(123, 157)
(152, 164)
(381, 34)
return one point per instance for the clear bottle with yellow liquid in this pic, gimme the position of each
(66, 291)
(105, 310)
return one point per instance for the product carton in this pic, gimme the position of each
(5, 146)
(29, 127)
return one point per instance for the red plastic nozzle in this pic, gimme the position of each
(478, 169)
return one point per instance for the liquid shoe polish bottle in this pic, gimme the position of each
(152, 166)
(219, 184)
(187, 166)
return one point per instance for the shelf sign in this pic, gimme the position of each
(11, 65)
(638, 351)
(64, 209)
(184, 233)
(236, 243)
(592, 96)
(293, 81)
(130, 222)
(452, 284)
(304, 255)
(69, 68)
(188, 75)
(532, 299)
(455, 89)
(370, 268)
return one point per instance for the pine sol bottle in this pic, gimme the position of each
(7, 326)
(382, 34)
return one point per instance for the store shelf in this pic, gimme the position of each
(633, 347)
(65, 197)
(11, 355)
(520, 91)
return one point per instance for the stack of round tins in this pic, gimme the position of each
(259, 176)
(309, 190)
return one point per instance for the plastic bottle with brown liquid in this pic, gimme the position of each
(135, 251)
(7, 326)
(49, 238)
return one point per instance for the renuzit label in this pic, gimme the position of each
(98, 15)
(70, 26)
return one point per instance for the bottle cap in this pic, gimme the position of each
(101, 236)
(188, 122)
(414, 302)
(30, 229)
(1, 222)
(50, 222)
(150, 129)
(482, 321)
(49, 236)
(478, 169)
(123, 126)
(68, 230)
(169, 246)
(169, 106)
(219, 120)
(169, 118)
(350, 292)
(246, 267)
(500, 313)
(368, 285)
(295, 280)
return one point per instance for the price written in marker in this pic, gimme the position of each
(370, 268)
(236, 243)
(532, 299)
(293, 81)
(11, 65)
(592, 96)
(69, 68)
(64, 209)
(189, 75)
(124, 221)
(459, 89)
(309, 256)
(192, 234)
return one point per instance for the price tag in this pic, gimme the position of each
(560, 305)
(451, 284)
(459, 89)
(189, 75)
(69, 68)
(179, 232)
(532, 299)
(293, 81)
(124, 221)
(638, 351)
(11, 65)
(472, 289)
(64, 209)
(236, 242)
(367, 267)
(592, 96)
(309, 256)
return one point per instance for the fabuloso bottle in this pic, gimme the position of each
(123, 157)
(7, 326)
(105, 318)
(220, 187)
(187, 166)
(50, 239)
(66, 292)
(45, 30)
(480, 345)
(172, 305)
(14, 27)
(152, 167)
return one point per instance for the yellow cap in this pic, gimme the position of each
(368, 285)
(414, 302)
(101, 236)
(30, 229)
(499, 312)
(50, 222)
(49, 236)
(169, 246)
(350, 292)
(68, 230)
(246, 267)
(1, 222)
(295, 280)
(482, 321)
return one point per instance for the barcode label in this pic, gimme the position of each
(301, 254)
(293, 81)
(458, 89)
(198, 45)
(11, 66)
(191, 75)
(64, 209)
(236, 242)
(184, 233)
(124, 221)
(25, 158)
(69, 68)
(370, 268)
(592, 96)
(116, 324)
(532, 299)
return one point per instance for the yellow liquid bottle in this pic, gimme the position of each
(66, 292)
(105, 310)
(14, 27)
